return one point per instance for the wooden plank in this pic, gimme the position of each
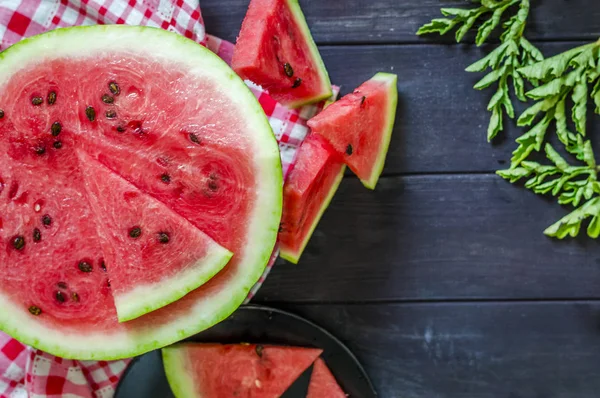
(436, 238)
(394, 21)
(472, 350)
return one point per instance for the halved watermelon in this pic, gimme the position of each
(276, 51)
(237, 370)
(168, 116)
(322, 383)
(307, 192)
(359, 126)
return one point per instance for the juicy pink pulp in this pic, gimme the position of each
(323, 384)
(171, 136)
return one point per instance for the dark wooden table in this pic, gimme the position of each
(441, 280)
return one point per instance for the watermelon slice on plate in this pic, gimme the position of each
(179, 125)
(276, 51)
(307, 192)
(234, 370)
(322, 383)
(359, 126)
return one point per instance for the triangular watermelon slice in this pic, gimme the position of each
(276, 51)
(237, 370)
(153, 255)
(359, 126)
(322, 383)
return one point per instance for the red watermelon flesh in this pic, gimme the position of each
(307, 192)
(276, 51)
(322, 383)
(137, 231)
(359, 126)
(244, 371)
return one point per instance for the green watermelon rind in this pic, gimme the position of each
(264, 224)
(180, 381)
(293, 256)
(386, 135)
(300, 20)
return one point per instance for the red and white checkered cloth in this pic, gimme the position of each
(28, 372)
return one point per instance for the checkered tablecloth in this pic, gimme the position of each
(28, 372)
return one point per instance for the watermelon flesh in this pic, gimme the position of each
(322, 383)
(245, 370)
(136, 231)
(359, 126)
(183, 134)
(307, 192)
(276, 51)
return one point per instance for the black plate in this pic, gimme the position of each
(145, 376)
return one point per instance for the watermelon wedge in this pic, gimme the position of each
(276, 51)
(244, 370)
(307, 192)
(174, 121)
(359, 126)
(323, 384)
(137, 231)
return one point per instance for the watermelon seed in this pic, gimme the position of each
(35, 310)
(75, 297)
(1, 114)
(51, 98)
(289, 71)
(163, 237)
(362, 101)
(90, 112)
(349, 150)
(121, 129)
(60, 297)
(102, 265)
(114, 88)
(37, 101)
(84, 266)
(39, 150)
(37, 235)
(37, 207)
(135, 232)
(57, 144)
(212, 185)
(111, 114)
(18, 242)
(297, 83)
(259, 350)
(165, 178)
(61, 285)
(108, 283)
(107, 99)
(194, 138)
(55, 129)
(46, 220)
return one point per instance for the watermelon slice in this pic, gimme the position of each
(307, 192)
(359, 126)
(323, 384)
(276, 51)
(137, 231)
(178, 124)
(245, 370)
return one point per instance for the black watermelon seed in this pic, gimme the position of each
(75, 297)
(62, 285)
(135, 232)
(120, 129)
(108, 283)
(35, 310)
(280, 229)
(90, 112)
(163, 237)
(259, 350)
(18, 242)
(84, 266)
(212, 185)
(57, 144)
(103, 266)
(111, 114)
(297, 83)
(46, 220)
(114, 88)
(107, 99)
(60, 297)
(55, 129)
(51, 98)
(349, 150)
(289, 71)
(37, 235)
(39, 150)
(362, 100)
(194, 138)
(37, 101)
(165, 178)
(1, 114)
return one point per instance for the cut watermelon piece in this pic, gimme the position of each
(276, 51)
(307, 192)
(136, 232)
(360, 125)
(323, 384)
(244, 370)
(175, 121)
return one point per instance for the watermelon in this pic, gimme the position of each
(244, 370)
(359, 126)
(307, 192)
(104, 125)
(322, 383)
(276, 51)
